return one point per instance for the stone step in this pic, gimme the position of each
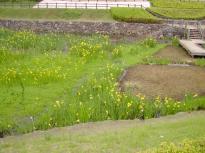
(194, 38)
(195, 33)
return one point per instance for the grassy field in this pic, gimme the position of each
(174, 9)
(56, 14)
(178, 4)
(17, 3)
(133, 15)
(117, 136)
(57, 80)
(191, 14)
(121, 14)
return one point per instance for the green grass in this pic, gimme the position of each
(200, 62)
(56, 14)
(174, 13)
(178, 4)
(17, 3)
(52, 80)
(133, 15)
(116, 136)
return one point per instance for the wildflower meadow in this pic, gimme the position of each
(54, 80)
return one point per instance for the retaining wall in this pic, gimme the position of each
(117, 29)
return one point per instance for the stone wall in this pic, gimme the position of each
(117, 29)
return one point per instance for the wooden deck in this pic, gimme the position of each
(193, 47)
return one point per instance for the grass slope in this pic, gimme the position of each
(56, 14)
(189, 14)
(110, 136)
(178, 4)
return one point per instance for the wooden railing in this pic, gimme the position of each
(85, 5)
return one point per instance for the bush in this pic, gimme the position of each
(133, 15)
(149, 42)
(175, 41)
(187, 146)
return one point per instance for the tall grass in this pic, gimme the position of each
(54, 80)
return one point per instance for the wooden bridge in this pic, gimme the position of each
(194, 43)
(193, 47)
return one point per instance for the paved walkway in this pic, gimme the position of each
(92, 4)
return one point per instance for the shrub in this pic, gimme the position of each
(187, 146)
(133, 15)
(87, 50)
(149, 42)
(175, 41)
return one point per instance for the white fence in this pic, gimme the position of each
(88, 5)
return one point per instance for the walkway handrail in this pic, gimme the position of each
(200, 29)
(186, 31)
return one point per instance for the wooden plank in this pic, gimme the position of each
(193, 47)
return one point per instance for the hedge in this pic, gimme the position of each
(133, 15)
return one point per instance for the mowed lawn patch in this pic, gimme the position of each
(175, 13)
(133, 15)
(56, 14)
(178, 4)
(116, 136)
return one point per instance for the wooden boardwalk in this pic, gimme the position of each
(193, 47)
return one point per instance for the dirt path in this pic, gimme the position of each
(109, 136)
(174, 55)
